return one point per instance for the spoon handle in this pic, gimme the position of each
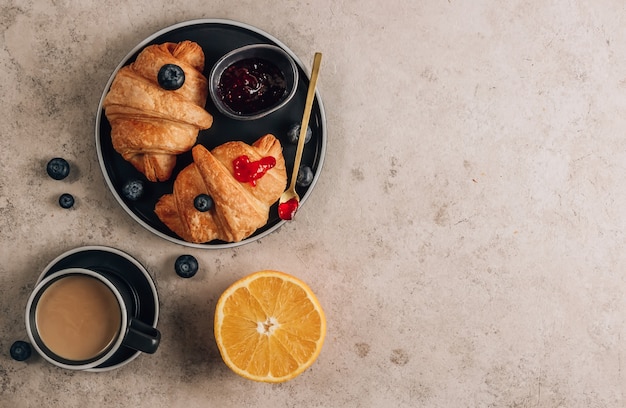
(308, 105)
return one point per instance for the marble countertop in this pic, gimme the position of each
(465, 238)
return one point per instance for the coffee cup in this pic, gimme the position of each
(78, 318)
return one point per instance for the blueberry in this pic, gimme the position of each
(58, 168)
(294, 133)
(133, 190)
(203, 202)
(305, 176)
(186, 266)
(171, 77)
(66, 200)
(20, 350)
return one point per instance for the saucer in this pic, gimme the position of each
(126, 268)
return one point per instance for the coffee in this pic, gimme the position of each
(78, 317)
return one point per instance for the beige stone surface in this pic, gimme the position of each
(466, 237)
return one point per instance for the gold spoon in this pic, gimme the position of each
(290, 200)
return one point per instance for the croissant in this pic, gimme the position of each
(150, 126)
(239, 208)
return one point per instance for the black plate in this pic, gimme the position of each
(129, 270)
(216, 37)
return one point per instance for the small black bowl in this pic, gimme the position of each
(265, 52)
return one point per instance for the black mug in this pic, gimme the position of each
(79, 318)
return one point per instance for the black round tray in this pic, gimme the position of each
(216, 37)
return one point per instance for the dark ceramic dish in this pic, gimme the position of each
(217, 38)
(276, 55)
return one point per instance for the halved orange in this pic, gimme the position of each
(269, 326)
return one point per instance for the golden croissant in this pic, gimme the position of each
(150, 125)
(239, 208)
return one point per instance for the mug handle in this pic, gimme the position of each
(142, 337)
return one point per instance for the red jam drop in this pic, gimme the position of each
(249, 172)
(287, 210)
(251, 85)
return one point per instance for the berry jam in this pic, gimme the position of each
(288, 209)
(251, 85)
(249, 172)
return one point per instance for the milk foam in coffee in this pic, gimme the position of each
(78, 317)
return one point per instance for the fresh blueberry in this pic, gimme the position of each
(203, 202)
(294, 133)
(58, 168)
(133, 190)
(305, 176)
(186, 266)
(171, 77)
(66, 200)
(20, 350)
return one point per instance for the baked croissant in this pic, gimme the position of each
(239, 208)
(150, 126)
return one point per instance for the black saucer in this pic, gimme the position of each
(126, 268)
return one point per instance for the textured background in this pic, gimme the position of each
(466, 237)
